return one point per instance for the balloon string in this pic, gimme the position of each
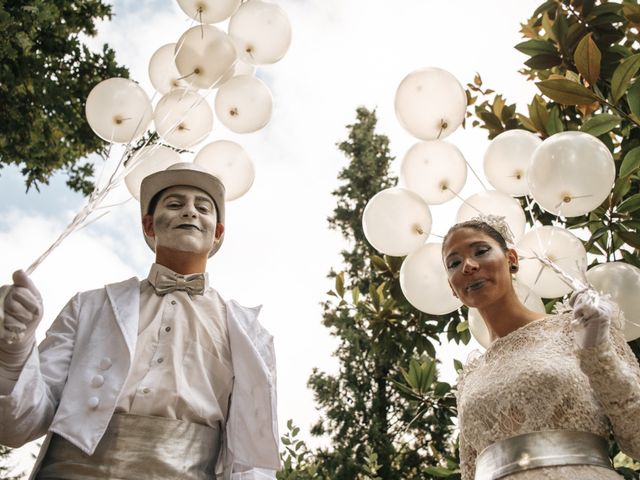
(464, 201)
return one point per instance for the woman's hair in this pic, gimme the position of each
(480, 226)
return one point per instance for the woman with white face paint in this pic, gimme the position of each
(152, 379)
(543, 399)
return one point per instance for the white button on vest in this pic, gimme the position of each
(105, 363)
(94, 402)
(97, 381)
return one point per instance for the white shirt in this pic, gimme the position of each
(182, 363)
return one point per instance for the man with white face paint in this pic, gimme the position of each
(152, 379)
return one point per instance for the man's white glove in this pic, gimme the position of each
(23, 312)
(592, 315)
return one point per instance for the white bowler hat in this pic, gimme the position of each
(185, 174)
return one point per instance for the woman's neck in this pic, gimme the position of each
(507, 315)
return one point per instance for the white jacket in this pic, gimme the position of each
(95, 334)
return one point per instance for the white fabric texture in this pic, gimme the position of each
(535, 379)
(96, 335)
(182, 363)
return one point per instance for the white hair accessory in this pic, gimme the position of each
(499, 224)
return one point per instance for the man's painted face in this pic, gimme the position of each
(185, 220)
(477, 267)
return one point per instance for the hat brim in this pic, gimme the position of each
(159, 181)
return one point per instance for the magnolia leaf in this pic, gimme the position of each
(566, 92)
(632, 12)
(539, 114)
(440, 472)
(526, 122)
(543, 61)
(622, 76)
(587, 58)
(604, 9)
(536, 47)
(600, 124)
(630, 238)
(630, 205)
(340, 284)
(633, 98)
(554, 123)
(631, 162)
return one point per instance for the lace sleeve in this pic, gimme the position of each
(614, 375)
(468, 454)
(467, 459)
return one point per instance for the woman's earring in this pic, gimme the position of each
(513, 268)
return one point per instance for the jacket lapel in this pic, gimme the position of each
(124, 298)
(252, 430)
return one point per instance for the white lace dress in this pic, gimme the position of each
(535, 379)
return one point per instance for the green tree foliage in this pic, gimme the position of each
(46, 74)
(584, 60)
(386, 413)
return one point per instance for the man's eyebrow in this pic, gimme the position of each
(200, 198)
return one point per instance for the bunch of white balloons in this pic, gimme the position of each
(568, 174)
(204, 59)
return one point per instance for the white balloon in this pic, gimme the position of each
(148, 160)
(239, 68)
(479, 329)
(163, 73)
(571, 173)
(204, 54)
(424, 281)
(118, 110)
(183, 118)
(430, 103)
(244, 104)
(622, 282)
(561, 247)
(507, 160)
(262, 30)
(434, 170)
(396, 221)
(492, 202)
(231, 164)
(209, 11)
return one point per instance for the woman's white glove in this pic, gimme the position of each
(592, 315)
(22, 313)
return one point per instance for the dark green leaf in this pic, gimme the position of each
(630, 204)
(587, 58)
(622, 76)
(566, 92)
(537, 47)
(560, 28)
(599, 233)
(631, 162)
(543, 61)
(457, 365)
(554, 123)
(607, 19)
(539, 114)
(630, 238)
(600, 124)
(603, 9)
(379, 263)
(633, 97)
(546, 6)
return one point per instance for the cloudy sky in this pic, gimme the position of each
(278, 250)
